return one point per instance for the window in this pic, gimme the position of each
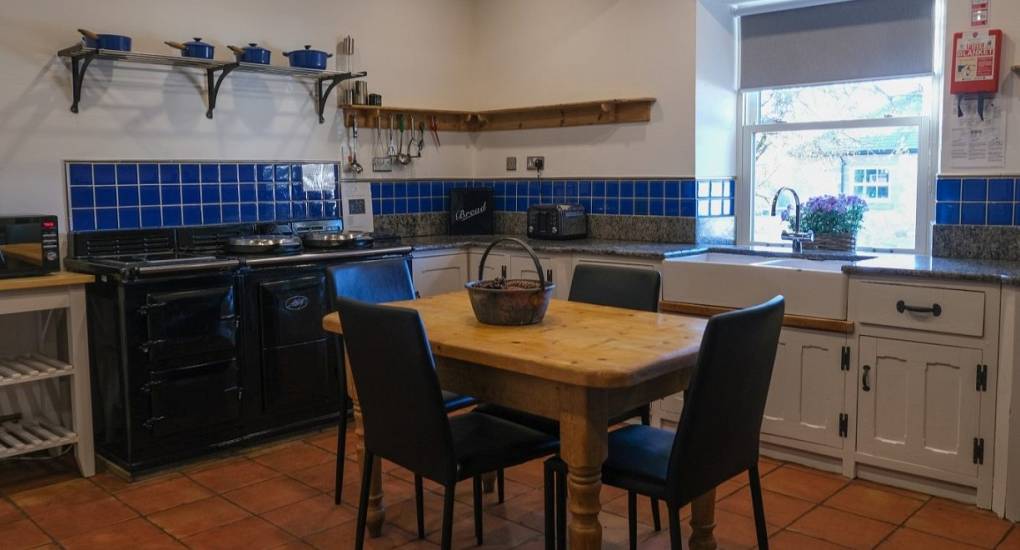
(871, 183)
(855, 138)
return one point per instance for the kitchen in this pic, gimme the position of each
(170, 384)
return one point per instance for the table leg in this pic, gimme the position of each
(376, 514)
(703, 522)
(583, 446)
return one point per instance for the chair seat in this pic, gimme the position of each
(454, 402)
(638, 459)
(541, 423)
(484, 443)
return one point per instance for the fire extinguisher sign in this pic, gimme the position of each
(975, 57)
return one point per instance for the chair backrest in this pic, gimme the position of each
(375, 281)
(719, 429)
(394, 374)
(626, 287)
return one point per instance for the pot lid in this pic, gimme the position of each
(196, 42)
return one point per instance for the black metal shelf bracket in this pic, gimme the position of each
(215, 72)
(213, 83)
(321, 95)
(79, 64)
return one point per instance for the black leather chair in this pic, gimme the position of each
(623, 287)
(375, 281)
(405, 418)
(718, 434)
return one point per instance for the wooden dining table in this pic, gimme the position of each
(583, 365)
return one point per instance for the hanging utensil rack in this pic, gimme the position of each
(216, 71)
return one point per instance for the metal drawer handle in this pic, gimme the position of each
(935, 309)
(866, 378)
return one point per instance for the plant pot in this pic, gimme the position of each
(843, 242)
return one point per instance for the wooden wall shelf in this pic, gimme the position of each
(585, 113)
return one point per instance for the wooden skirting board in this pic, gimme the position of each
(793, 321)
(562, 115)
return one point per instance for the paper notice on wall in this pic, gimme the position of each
(977, 141)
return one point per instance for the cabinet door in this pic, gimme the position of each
(806, 396)
(438, 274)
(918, 403)
(494, 265)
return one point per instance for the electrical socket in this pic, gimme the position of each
(511, 164)
(536, 163)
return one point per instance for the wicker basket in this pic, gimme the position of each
(843, 242)
(503, 301)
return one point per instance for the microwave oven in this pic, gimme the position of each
(28, 246)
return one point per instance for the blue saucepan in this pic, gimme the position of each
(252, 53)
(308, 58)
(106, 41)
(196, 48)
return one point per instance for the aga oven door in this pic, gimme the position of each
(297, 369)
(193, 399)
(189, 322)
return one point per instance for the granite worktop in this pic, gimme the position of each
(597, 247)
(931, 267)
(899, 265)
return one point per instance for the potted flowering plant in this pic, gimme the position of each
(835, 221)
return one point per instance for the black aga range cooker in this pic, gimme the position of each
(206, 338)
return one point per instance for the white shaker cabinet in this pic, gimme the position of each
(919, 404)
(439, 272)
(925, 383)
(807, 394)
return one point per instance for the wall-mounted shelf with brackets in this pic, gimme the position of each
(563, 115)
(216, 71)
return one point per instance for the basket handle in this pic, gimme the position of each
(522, 244)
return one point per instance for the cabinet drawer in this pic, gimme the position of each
(955, 311)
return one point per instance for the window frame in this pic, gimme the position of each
(926, 124)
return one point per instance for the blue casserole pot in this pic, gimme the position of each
(106, 41)
(197, 48)
(252, 53)
(308, 58)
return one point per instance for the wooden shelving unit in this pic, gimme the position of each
(57, 367)
(562, 115)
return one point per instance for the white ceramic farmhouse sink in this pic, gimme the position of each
(804, 264)
(815, 288)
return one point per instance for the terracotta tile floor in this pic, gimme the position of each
(281, 496)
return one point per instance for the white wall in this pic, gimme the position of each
(534, 51)
(1005, 15)
(715, 130)
(415, 52)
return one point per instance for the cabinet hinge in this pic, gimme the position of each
(844, 358)
(844, 424)
(979, 450)
(982, 378)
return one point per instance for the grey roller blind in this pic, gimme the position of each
(862, 39)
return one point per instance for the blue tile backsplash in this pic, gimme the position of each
(131, 195)
(628, 197)
(977, 200)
